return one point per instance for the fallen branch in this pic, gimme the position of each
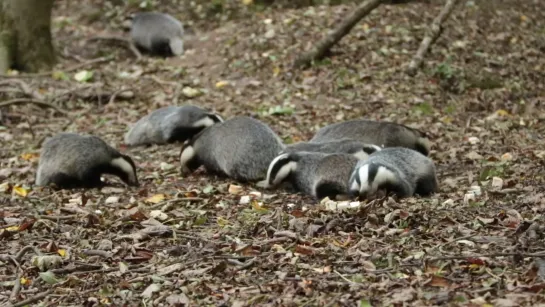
(68, 69)
(25, 88)
(431, 36)
(493, 255)
(322, 47)
(33, 299)
(16, 288)
(127, 42)
(34, 101)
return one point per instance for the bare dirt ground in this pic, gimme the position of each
(190, 241)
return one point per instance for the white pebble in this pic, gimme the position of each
(244, 200)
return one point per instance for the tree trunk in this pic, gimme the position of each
(25, 35)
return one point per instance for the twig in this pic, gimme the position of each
(25, 250)
(114, 95)
(16, 287)
(57, 217)
(431, 36)
(34, 101)
(33, 299)
(68, 69)
(159, 205)
(127, 42)
(492, 255)
(346, 279)
(323, 46)
(25, 88)
(96, 252)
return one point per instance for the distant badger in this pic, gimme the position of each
(384, 134)
(398, 170)
(70, 160)
(358, 149)
(170, 124)
(240, 148)
(157, 33)
(313, 173)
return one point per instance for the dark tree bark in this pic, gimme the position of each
(322, 47)
(25, 35)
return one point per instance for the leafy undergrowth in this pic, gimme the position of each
(204, 240)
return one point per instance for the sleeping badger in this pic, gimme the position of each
(401, 171)
(70, 160)
(384, 134)
(240, 148)
(170, 124)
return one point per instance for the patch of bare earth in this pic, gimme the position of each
(192, 241)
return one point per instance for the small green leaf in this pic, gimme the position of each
(208, 189)
(200, 220)
(83, 76)
(280, 110)
(49, 277)
(365, 303)
(59, 75)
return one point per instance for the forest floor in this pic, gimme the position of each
(192, 241)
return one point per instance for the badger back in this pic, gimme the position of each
(385, 134)
(241, 147)
(73, 155)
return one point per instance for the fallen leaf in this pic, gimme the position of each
(303, 250)
(438, 281)
(61, 252)
(46, 262)
(49, 277)
(83, 76)
(29, 156)
(157, 198)
(20, 191)
(148, 293)
(222, 84)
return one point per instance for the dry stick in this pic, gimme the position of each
(34, 101)
(533, 255)
(33, 299)
(321, 48)
(68, 69)
(129, 44)
(25, 88)
(16, 287)
(114, 95)
(432, 34)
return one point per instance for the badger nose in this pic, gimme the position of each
(353, 193)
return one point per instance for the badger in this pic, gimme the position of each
(356, 148)
(384, 134)
(240, 148)
(157, 33)
(313, 173)
(170, 124)
(401, 171)
(70, 160)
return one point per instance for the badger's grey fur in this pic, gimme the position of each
(240, 148)
(348, 146)
(384, 134)
(313, 173)
(71, 160)
(401, 171)
(157, 33)
(170, 124)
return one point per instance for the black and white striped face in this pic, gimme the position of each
(208, 120)
(366, 151)
(366, 180)
(279, 169)
(187, 158)
(125, 168)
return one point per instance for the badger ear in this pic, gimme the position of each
(279, 169)
(216, 118)
(370, 148)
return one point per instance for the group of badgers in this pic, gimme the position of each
(352, 159)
